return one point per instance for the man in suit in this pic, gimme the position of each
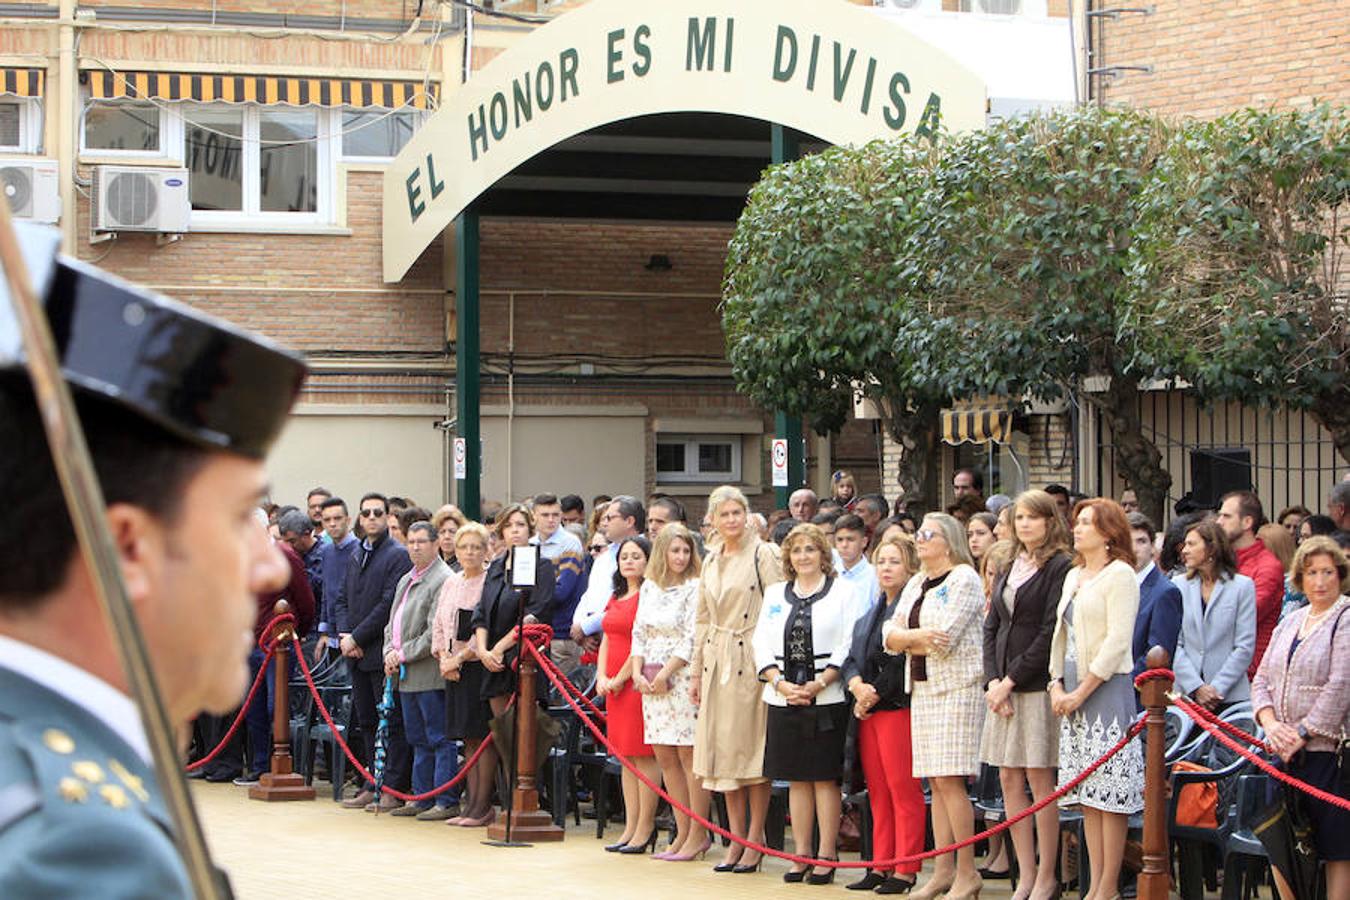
(361, 611)
(178, 410)
(1159, 619)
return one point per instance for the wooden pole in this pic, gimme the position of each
(1155, 878)
(528, 821)
(281, 783)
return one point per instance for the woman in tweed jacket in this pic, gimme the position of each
(1301, 695)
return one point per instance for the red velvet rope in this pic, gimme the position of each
(239, 719)
(1135, 729)
(356, 763)
(1196, 711)
(1264, 766)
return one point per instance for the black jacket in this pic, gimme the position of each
(499, 607)
(362, 606)
(1017, 645)
(888, 677)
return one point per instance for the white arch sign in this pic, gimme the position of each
(824, 67)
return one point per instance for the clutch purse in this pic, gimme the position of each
(651, 670)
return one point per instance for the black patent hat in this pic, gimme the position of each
(198, 377)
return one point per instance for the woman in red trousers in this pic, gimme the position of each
(876, 680)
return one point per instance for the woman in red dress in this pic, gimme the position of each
(623, 704)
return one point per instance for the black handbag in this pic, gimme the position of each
(1284, 829)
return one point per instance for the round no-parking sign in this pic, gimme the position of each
(461, 453)
(780, 462)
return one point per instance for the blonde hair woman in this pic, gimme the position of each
(729, 737)
(663, 644)
(801, 641)
(937, 622)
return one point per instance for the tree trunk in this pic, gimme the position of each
(1332, 408)
(1137, 459)
(916, 431)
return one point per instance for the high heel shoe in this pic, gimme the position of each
(868, 882)
(972, 894)
(930, 891)
(634, 849)
(729, 865)
(894, 885)
(680, 857)
(744, 869)
(796, 876)
(827, 878)
(615, 848)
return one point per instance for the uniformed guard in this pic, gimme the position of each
(178, 410)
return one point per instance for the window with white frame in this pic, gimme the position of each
(249, 164)
(20, 125)
(698, 457)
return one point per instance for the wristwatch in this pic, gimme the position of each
(1303, 733)
(777, 678)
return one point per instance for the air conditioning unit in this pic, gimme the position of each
(139, 198)
(993, 7)
(924, 5)
(30, 187)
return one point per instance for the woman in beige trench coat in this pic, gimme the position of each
(729, 737)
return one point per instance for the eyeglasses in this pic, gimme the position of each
(924, 535)
(598, 548)
(372, 513)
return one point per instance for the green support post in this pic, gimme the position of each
(787, 147)
(467, 357)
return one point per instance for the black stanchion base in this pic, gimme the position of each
(505, 844)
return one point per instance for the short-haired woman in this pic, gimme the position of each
(937, 623)
(876, 680)
(447, 521)
(1301, 695)
(1021, 736)
(1218, 619)
(1091, 689)
(452, 642)
(494, 619)
(663, 644)
(729, 736)
(623, 706)
(802, 637)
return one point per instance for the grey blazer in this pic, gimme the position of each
(1217, 641)
(421, 670)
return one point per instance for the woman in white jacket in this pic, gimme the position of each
(800, 644)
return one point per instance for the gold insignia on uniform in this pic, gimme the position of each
(72, 790)
(89, 770)
(133, 782)
(114, 796)
(58, 741)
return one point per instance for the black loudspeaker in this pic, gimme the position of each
(1217, 471)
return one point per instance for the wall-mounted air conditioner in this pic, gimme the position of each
(29, 185)
(141, 198)
(923, 5)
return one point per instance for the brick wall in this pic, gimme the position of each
(1211, 58)
(1051, 455)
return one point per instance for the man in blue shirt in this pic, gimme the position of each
(850, 538)
(561, 547)
(333, 558)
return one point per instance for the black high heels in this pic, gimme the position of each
(868, 882)
(827, 878)
(729, 865)
(615, 848)
(796, 876)
(635, 849)
(894, 885)
(743, 869)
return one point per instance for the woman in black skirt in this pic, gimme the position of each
(800, 643)
(452, 641)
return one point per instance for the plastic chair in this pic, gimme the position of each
(1245, 862)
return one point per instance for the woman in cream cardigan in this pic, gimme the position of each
(1091, 658)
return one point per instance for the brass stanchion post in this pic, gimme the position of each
(281, 783)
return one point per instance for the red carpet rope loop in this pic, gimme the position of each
(551, 671)
(239, 719)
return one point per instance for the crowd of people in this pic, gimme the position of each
(1002, 632)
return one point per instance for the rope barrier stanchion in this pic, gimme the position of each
(1155, 876)
(356, 763)
(281, 782)
(713, 827)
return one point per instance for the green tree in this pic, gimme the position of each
(1029, 226)
(813, 299)
(1244, 235)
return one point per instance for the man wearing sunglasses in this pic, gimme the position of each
(361, 611)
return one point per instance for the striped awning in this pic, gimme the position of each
(976, 426)
(22, 82)
(294, 91)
